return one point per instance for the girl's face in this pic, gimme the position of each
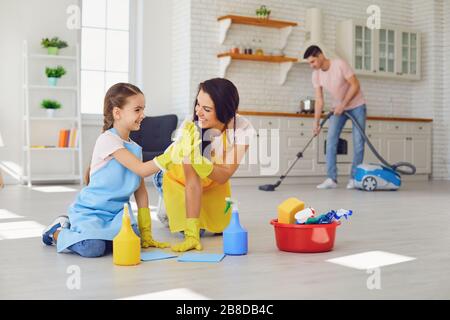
(206, 112)
(131, 114)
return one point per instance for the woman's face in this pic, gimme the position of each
(206, 112)
(131, 114)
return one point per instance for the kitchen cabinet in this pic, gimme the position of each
(355, 44)
(395, 139)
(387, 52)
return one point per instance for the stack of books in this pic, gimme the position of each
(68, 138)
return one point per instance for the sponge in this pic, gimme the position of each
(288, 208)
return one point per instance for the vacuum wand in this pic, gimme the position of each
(272, 187)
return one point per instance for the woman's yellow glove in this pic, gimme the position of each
(191, 237)
(202, 165)
(176, 152)
(145, 228)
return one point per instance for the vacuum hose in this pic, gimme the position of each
(394, 166)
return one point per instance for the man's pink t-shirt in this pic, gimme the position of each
(334, 81)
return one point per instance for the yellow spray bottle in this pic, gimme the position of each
(126, 245)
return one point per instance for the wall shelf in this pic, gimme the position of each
(33, 153)
(51, 57)
(226, 22)
(286, 63)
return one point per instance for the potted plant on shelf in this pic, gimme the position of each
(53, 74)
(53, 45)
(50, 106)
(263, 12)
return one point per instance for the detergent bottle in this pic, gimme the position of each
(126, 245)
(235, 237)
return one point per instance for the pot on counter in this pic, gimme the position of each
(307, 105)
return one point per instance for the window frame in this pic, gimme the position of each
(134, 55)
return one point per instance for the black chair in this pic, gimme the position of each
(155, 135)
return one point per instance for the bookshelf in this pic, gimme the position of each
(48, 159)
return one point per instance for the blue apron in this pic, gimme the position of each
(98, 209)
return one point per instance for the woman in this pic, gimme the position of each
(194, 191)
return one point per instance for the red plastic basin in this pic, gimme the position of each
(305, 237)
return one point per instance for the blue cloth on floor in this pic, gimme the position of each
(201, 257)
(156, 255)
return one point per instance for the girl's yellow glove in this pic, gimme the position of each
(145, 228)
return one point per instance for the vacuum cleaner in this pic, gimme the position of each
(368, 177)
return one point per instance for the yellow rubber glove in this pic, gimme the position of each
(191, 237)
(176, 152)
(202, 166)
(145, 228)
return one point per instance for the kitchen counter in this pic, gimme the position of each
(298, 115)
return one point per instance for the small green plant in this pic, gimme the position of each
(57, 72)
(54, 43)
(50, 104)
(263, 12)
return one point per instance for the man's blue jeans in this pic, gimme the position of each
(336, 124)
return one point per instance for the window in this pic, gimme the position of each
(105, 44)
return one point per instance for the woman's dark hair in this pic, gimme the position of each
(225, 96)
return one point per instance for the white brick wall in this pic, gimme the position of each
(258, 82)
(428, 94)
(446, 89)
(181, 53)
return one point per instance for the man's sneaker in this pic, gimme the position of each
(327, 184)
(351, 184)
(58, 224)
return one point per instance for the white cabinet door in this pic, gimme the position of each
(396, 149)
(293, 144)
(409, 54)
(378, 142)
(364, 49)
(386, 51)
(420, 153)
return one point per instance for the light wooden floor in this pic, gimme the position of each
(414, 221)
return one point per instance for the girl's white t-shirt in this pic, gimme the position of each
(107, 143)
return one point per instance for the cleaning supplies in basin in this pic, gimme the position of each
(288, 208)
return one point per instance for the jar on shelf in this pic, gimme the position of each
(234, 49)
(248, 49)
(259, 51)
(241, 48)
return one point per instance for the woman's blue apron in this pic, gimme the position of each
(98, 208)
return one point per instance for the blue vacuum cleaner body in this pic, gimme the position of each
(372, 177)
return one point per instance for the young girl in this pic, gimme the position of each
(194, 192)
(116, 172)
